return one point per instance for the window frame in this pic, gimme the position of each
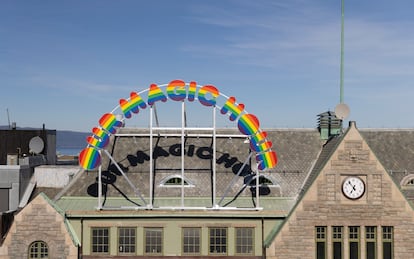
(321, 237)
(371, 237)
(157, 244)
(388, 237)
(218, 237)
(38, 245)
(129, 237)
(108, 238)
(338, 237)
(250, 239)
(164, 182)
(354, 237)
(194, 245)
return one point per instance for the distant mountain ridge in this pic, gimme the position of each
(71, 139)
(64, 138)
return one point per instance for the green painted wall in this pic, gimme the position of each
(172, 232)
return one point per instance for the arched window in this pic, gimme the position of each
(38, 249)
(175, 181)
(407, 182)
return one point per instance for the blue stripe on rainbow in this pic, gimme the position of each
(155, 94)
(266, 160)
(109, 123)
(132, 105)
(176, 90)
(248, 124)
(203, 93)
(100, 138)
(231, 107)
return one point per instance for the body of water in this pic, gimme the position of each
(68, 151)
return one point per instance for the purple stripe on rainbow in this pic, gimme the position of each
(230, 106)
(109, 123)
(176, 90)
(155, 94)
(248, 124)
(132, 105)
(266, 160)
(89, 158)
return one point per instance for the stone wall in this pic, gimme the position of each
(325, 205)
(38, 221)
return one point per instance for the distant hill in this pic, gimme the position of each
(71, 139)
(64, 138)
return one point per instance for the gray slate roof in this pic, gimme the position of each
(298, 151)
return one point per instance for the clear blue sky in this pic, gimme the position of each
(66, 63)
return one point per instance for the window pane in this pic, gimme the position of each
(387, 242)
(337, 238)
(38, 249)
(191, 240)
(153, 240)
(337, 250)
(320, 236)
(100, 240)
(320, 250)
(387, 250)
(353, 250)
(126, 240)
(371, 250)
(218, 240)
(244, 240)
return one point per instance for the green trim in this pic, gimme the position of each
(68, 225)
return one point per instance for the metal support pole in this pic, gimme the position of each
(214, 158)
(151, 158)
(341, 95)
(182, 150)
(235, 178)
(136, 190)
(99, 186)
(257, 188)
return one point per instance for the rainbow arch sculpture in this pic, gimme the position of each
(178, 91)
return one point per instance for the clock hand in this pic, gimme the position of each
(353, 186)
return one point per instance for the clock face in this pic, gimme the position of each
(353, 187)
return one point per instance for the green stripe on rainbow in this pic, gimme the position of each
(133, 105)
(89, 158)
(178, 90)
(248, 124)
(155, 94)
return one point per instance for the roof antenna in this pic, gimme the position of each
(342, 110)
(8, 116)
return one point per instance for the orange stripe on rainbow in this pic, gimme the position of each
(89, 158)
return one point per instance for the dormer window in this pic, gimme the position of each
(175, 181)
(407, 182)
(263, 180)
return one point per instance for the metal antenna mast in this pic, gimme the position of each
(8, 116)
(341, 95)
(342, 110)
